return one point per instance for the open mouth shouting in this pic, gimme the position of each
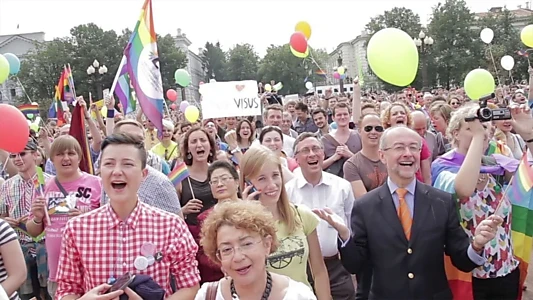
(406, 164)
(313, 163)
(244, 270)
(118, 185)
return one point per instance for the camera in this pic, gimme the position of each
(485, 114)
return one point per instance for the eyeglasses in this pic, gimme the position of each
(222, 179)
(413, 148)
(227, 252)
(307, 151)
(21, 154)
(369, 128)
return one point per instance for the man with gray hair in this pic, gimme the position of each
(405, 227)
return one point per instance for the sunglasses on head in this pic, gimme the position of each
(369, 128)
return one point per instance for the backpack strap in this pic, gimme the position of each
(212, 288)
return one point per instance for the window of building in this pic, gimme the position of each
(13, 92)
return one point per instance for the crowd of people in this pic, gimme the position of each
(288, 205)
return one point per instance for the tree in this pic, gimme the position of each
(400, 18)
(280, 65)
(457, 49)
(171, 58)
(242, 63)
(506, 42)
(213, 61)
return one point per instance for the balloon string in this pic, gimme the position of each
(494, 63)
(23, 89)
(511, 76)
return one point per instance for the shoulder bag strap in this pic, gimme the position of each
(61, 188)
(212, 288)
(332, 140)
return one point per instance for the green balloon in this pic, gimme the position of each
(393, 56)
(182, 77)
(4, 69)
(30, 116)
(479, 83)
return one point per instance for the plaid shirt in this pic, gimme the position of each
(16, 195)
(98, 245)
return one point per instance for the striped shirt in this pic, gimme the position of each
(7, 234)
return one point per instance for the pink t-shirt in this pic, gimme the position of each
(84, 194)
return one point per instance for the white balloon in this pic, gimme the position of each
(34, 103)
(486, 35)
(309, 85)
(507, 62)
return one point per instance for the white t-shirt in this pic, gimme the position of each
(295, 291)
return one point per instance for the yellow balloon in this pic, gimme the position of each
(393, 56)
(341, 70)
(527, 35)
(299, 54)
(304, 28)
(192, 113)
(479, 83)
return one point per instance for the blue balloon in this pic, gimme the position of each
(333, 125)
(14, 63)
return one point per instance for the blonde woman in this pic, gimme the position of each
(239, 236)
(296, 226)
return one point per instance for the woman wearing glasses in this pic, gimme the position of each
(224, 181)
(240, 236)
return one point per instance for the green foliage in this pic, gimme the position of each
(213, 61)
(40, 70)
(280, 65)
(242, 63)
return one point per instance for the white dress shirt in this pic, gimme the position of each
(332, 192)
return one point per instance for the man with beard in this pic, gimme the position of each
(320, 118)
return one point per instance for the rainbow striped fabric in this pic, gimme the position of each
(142, 63)
(520, 195)
(122, 88)
(27, 109)
(179, 173)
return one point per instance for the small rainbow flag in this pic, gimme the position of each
(321, 72)
(522, 53)
(179, 173)
(27, 109)
(38, 181)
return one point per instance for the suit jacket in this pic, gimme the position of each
(407, 269)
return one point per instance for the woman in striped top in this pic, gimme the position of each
(12, 276)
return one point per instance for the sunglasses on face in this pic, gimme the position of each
(369, 128)
(21, 154)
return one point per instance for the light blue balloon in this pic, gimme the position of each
(333, 125)
(14, 63)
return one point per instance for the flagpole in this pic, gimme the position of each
(23, 89)
(72, 77)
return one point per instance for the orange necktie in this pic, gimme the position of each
(403, 212)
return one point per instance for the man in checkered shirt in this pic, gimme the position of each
(125, 235)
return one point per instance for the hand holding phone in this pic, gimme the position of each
(122, 283)
(250, 192)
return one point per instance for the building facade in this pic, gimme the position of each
(522, 16)
(20, 45)
(194, 67)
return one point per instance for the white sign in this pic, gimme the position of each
(230, 99)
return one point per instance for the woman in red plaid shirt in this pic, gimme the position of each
(125, 235)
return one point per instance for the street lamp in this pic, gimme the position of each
(341, 82)
(424, 42)
(91, 70)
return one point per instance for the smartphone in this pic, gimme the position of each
(122, 283)
(252, 190)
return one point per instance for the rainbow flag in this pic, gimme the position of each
(122, 88)
(27, 109)
(520, 195)
(58, 100)
(179, 174)
(39, 181)
(321, 72)
(142, 63)
(68, 83)
(522, 53)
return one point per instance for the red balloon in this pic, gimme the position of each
(13, 137)
(172, 95)
(173, 106)
(298, 42)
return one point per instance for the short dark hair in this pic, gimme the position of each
(301, 106)
(268, 129)
(319, 111)
(126, 139)
(220, 164)
(304, 136)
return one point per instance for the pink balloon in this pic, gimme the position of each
(173, 106)
(183, 106)
(172, 95)
(298, 42)
(201, 82)
(336, 75)
(13, 138)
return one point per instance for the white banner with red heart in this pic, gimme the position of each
(230, 99)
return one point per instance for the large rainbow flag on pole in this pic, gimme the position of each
(122, 88)
(142, 63)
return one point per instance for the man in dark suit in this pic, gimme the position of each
(404, 227)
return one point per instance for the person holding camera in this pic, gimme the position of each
(477, 182)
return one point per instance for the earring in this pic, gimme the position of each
(189, 156)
